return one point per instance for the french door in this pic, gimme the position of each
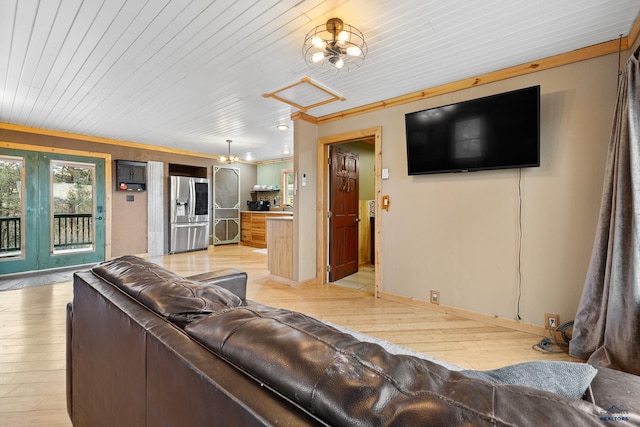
(51, 210)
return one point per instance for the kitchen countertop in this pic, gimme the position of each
(269, 212)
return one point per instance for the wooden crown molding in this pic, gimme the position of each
(272, 161)
(566, 58)
(632, 37)
(304, 116)
(101, 140)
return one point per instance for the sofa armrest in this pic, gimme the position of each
(230, 279)
(69, 330)
(615, 389)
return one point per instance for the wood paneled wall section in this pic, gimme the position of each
(280, 247)
(364, 233)
(155, 209)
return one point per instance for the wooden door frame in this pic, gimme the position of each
(322, 222)
(107, 178)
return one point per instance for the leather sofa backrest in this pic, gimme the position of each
(128, 366)
(345, 381)
(178, 299)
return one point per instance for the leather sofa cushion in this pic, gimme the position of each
(345, 381)
(231, 279)
(178, 299)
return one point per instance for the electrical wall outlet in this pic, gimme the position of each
(435, 297)
(551, 321)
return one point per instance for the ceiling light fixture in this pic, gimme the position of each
(282, 127)
(285, 150)
(229, 158)
(334, 47)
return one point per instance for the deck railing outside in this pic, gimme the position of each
(10, 234)
(70, 231)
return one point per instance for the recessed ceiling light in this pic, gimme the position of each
(282, 127)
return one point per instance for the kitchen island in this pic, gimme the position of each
(280, 246)
(254, 227)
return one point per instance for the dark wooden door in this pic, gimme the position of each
(343, 208)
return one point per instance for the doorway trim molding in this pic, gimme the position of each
(322, 223)
(107, 178)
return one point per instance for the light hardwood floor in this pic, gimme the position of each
(363, 280)
(32, 335)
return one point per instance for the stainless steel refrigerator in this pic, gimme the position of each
(190, 206)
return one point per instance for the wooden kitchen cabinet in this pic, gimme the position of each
(259, 229)
(131, 176)
(245, 224)
(254, 228)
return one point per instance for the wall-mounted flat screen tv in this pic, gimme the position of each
(495, 132)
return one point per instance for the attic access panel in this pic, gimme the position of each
(304, 95)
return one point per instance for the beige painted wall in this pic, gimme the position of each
(304, 202)
(459, 233)
(271, 174)
(129, 219)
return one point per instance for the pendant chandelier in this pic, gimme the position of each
(228, 158)
(334, 47)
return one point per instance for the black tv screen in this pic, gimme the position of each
(495, 132)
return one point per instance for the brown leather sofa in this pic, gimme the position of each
(146, 347)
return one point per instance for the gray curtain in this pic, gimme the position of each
(607, 325)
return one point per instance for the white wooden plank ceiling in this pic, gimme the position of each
(191, 74)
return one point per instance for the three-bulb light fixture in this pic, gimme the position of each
(334, 47)
(228, 158)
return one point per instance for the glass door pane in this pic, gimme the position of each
(202, 198)
(72, 192)
(11, 207)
